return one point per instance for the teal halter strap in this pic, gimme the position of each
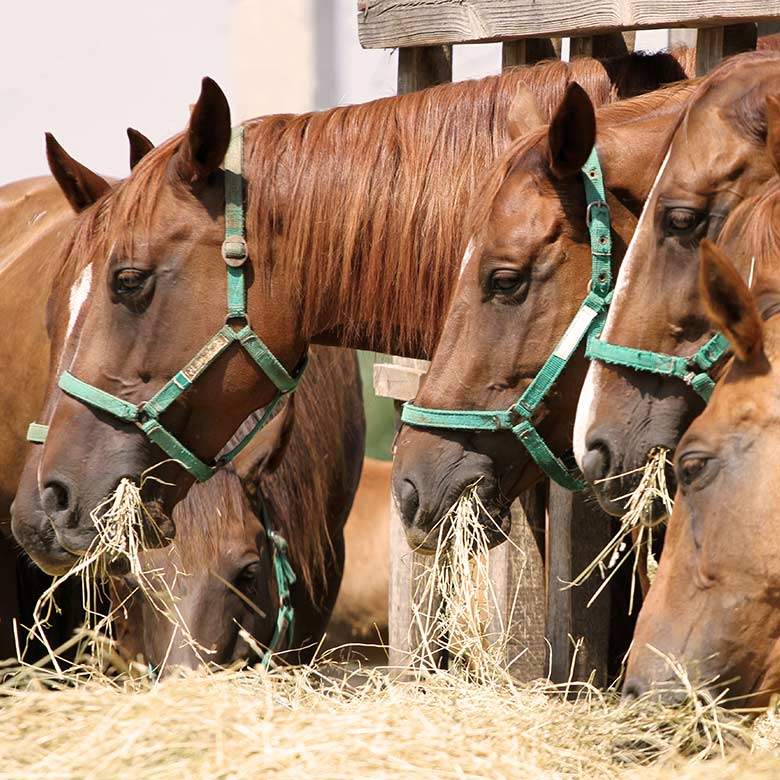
(518, 418)
(694, 370)
(237, 330)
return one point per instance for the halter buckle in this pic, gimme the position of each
(597, 204)
(234, 251)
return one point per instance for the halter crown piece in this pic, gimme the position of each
(236, 330)
(589, 318)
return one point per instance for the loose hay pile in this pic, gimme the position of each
(304, 724)
(327, 721)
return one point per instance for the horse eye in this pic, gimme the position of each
(696, 467)
(129, 280)
(681, 220)
(505, 281)
(247, 579)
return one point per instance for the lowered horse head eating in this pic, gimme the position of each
(713, 612)
(656, 359)
(196, 297)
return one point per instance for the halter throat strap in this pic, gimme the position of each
(519, 417)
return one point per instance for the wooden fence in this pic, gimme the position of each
(547, 618)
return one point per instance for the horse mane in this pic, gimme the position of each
(399, 172)
(305, 495)
(755, 224)
(377, 191)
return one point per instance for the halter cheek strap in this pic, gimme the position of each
(519, 417)
(237, 330)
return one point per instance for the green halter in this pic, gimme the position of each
(236, 330)
(590, 316)
(694, 370)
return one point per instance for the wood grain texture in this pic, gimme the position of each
(576, 532)
(709, 49)
(528, 51)
(398, 382)
(400, 23)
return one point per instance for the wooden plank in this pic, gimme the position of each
(576, 533)
(581, 46)
(400, 23)
(397, 381)
(423, 66)
(709, 49)
(528, 51)
(517, 578)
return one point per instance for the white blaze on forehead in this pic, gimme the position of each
(78, 294)
(466, 257)
(628, 272)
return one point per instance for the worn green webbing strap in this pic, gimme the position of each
(98, 398)
(590, 315)
(684, 368)
(285, 579)
(234, 248)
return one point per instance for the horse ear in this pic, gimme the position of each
(208, 135)
(524, 114)
(264, 454)
(140, 146)
(773, 129)
(729, 303)
(81, 186)
(572, 132)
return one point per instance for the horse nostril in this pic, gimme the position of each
(409, 501)
(633, 689)
(596, 462)
(55, 499)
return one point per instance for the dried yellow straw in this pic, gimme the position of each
(121, 522)
(637, 521)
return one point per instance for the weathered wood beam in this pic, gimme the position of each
(423, 66)
(399, 23)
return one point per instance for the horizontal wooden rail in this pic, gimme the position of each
(400, 23)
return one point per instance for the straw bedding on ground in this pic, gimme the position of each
(301, 724)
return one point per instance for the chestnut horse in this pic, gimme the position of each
(219, 568)
(524, 276)
(724, 148)
(715, 606)
(354, 225)
(307, 499)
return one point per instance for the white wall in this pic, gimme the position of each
(86, 69)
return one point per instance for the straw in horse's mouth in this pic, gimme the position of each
(640, 518)
(124, 527)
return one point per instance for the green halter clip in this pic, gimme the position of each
(236, 330)
(694, 370)
(518, 418)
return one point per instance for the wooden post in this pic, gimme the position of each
(423, 66)
(527, 51)
(576, 533)
(739, 37)
(709, 49)
(581, 46)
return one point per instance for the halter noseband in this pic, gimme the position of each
(236, 330)
(588, 319)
